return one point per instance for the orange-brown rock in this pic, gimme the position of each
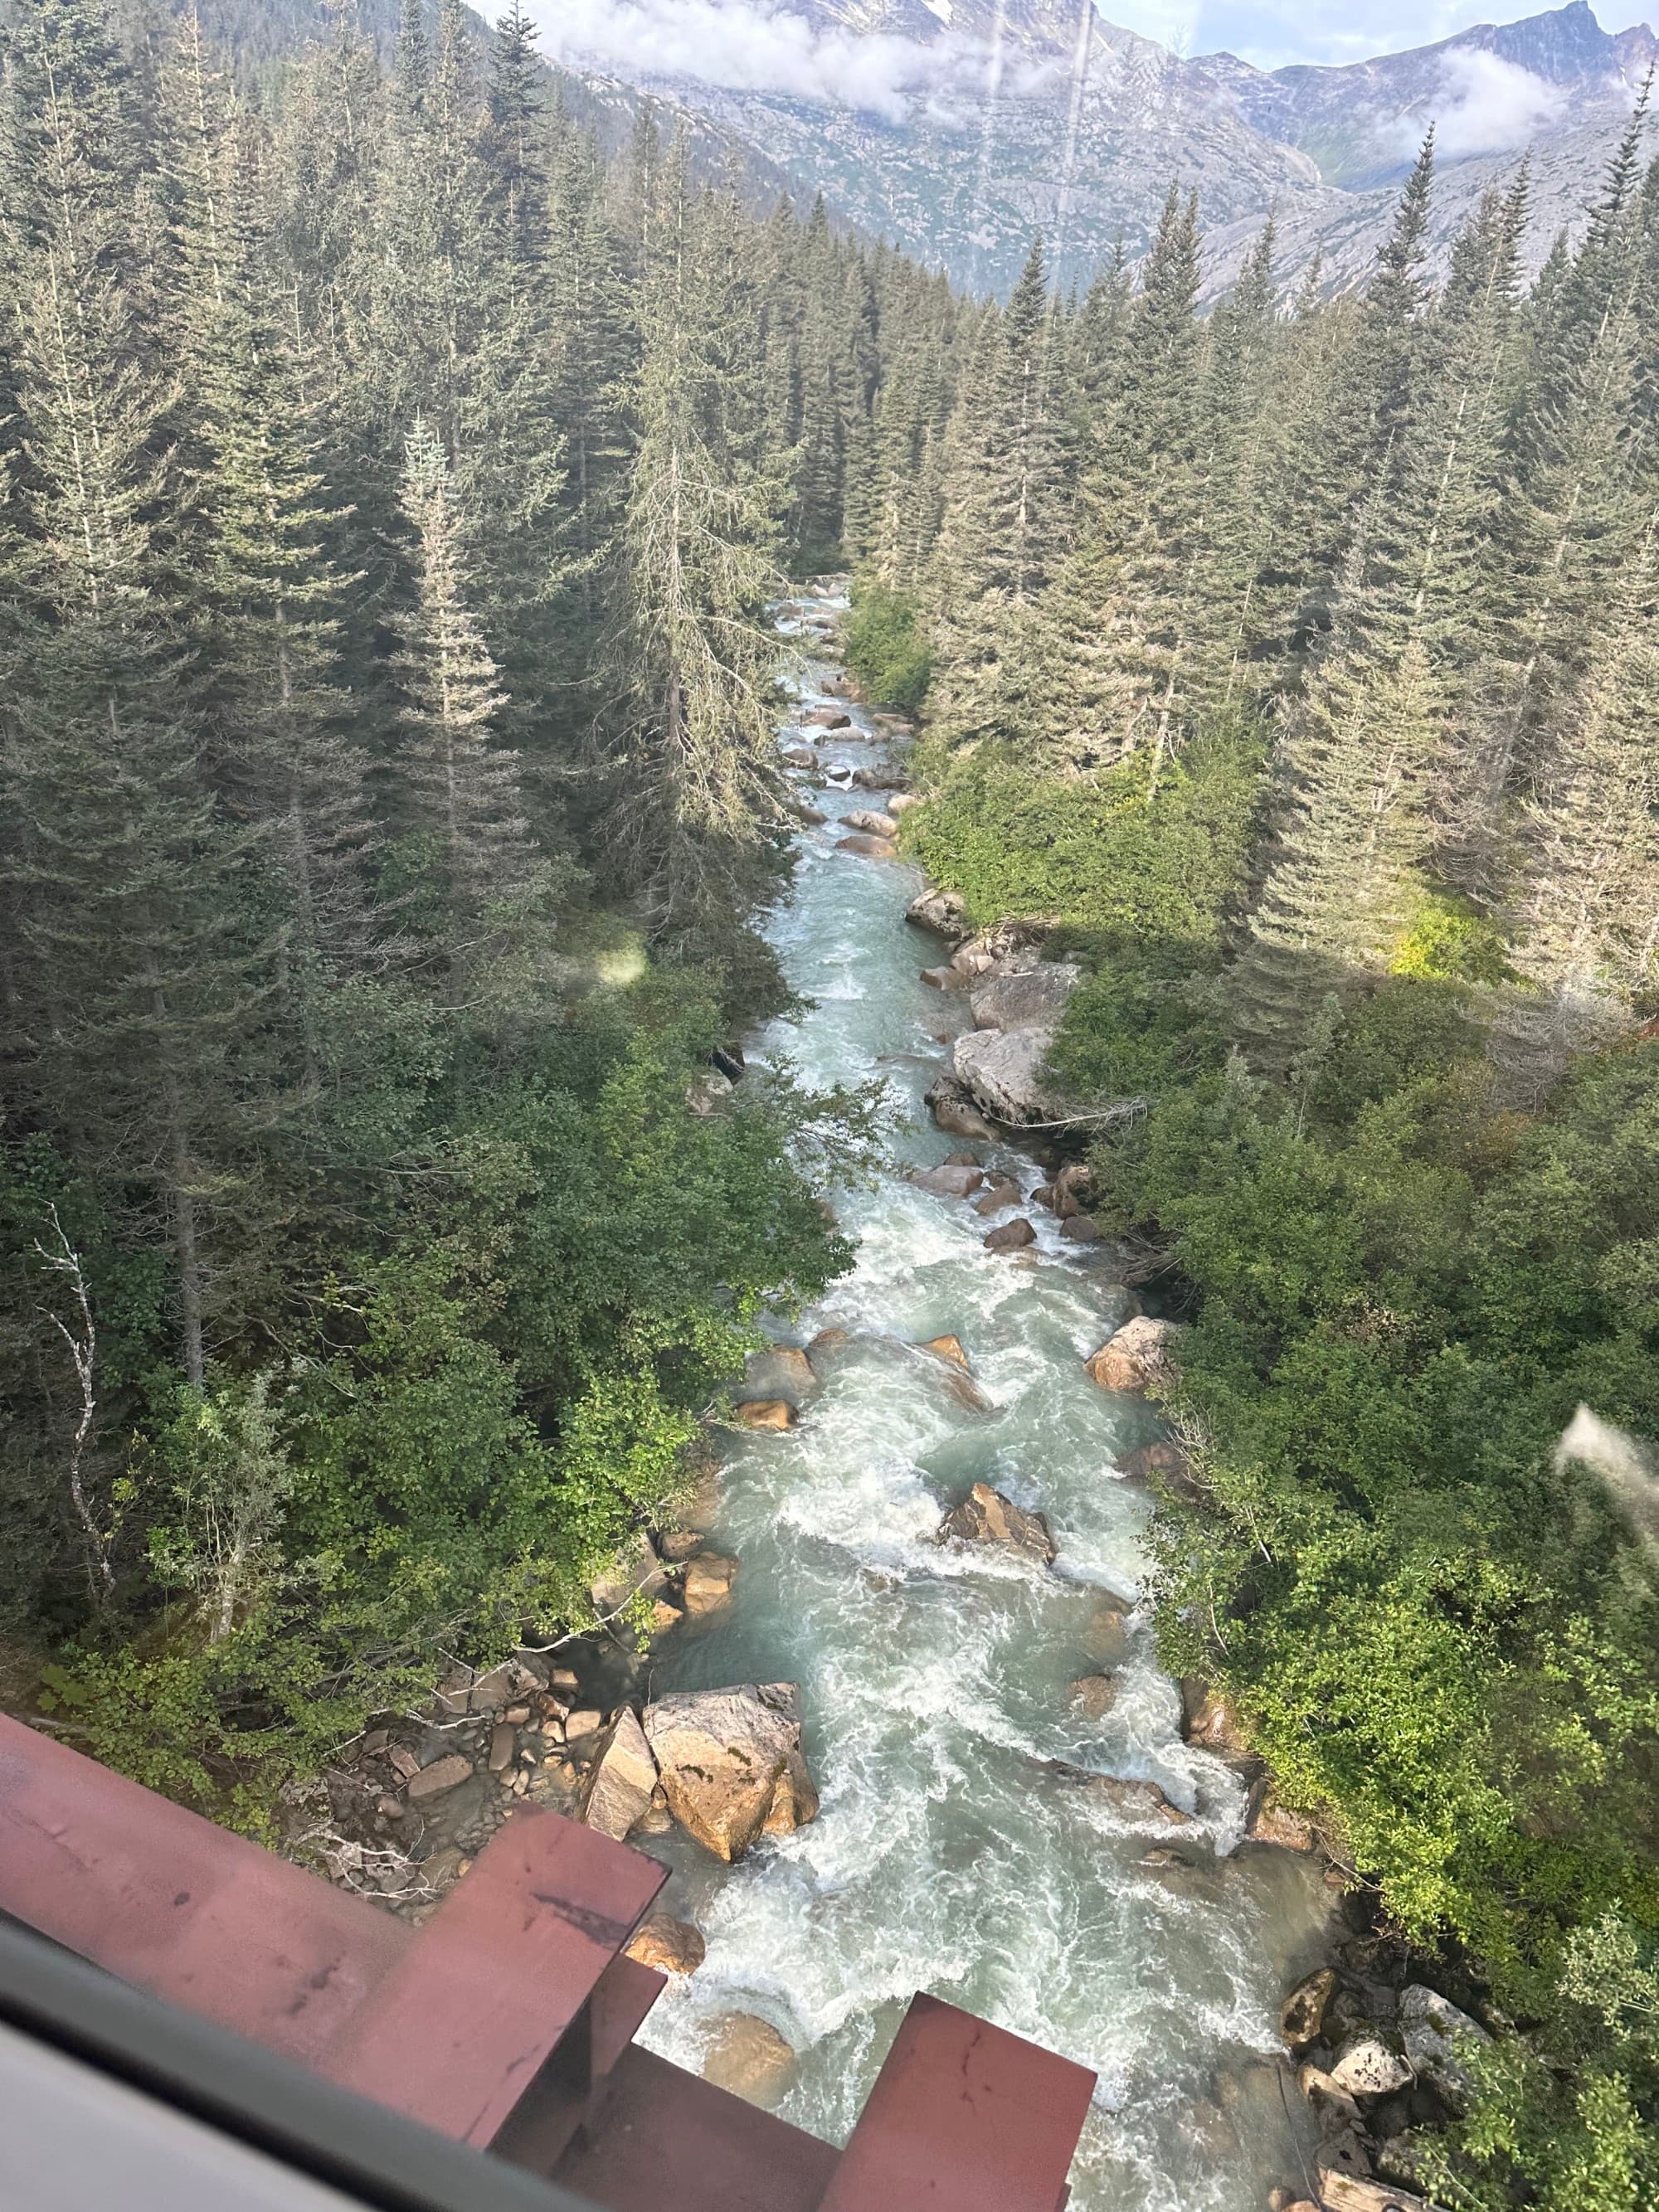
(765, 1413)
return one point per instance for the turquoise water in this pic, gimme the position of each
(949, 1854)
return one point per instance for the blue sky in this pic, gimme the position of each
(1271, 32)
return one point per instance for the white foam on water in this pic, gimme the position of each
(953, 1852)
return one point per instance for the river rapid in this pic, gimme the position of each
(950, 1855)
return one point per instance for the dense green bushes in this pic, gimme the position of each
(886, 649)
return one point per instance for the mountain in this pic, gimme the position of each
(956, 128)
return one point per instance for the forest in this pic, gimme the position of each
(391, 490)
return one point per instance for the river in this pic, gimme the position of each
(950, 1855)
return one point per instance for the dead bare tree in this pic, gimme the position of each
(83, 1343)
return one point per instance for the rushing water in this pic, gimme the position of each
(950, 1855)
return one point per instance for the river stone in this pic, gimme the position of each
(780, 1371)
(986, 1517)
(955, 1112)
(885, 778)
(443, 1774)
(1214, 1722)
(708, 1585)
(765, 1413)
(1012, 1236)
(1002, 1069)
(1031, 998)
(809, 817)
(1331, 2102)
(945, 913)
(1164, 1457)
(1353, 2192)
(1080, 1229)
(947, 1347)
(672, 1946)
(731, 1763)
(941, 979)
(1141, 1804)
(798, 756)
(1302, 2015)
(622, 1779)
(826, 718)
(1139, 1357)
(1432, 2027)
(1365, 2066)
(997, 1197)
(903, 801)
(637, 1572)
(1106, 1637)
(749, 2058)
(949, 1182)
(877, 825)
(872, 848)
(1094, 1696)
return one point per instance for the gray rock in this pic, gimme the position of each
(949, 1182)
(1003, 1073)
(1432, 2028)
(1012, 1236)
(621, 1780)
(871, 849)
(1365, 2066)
(877, 825)
(1033, 998)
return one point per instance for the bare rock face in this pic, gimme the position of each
(672, 1946)
(986, 1517)
(765, 1413)
(732, 1764)
(709, 1585)
(1031, 998)
(1002, 1071)
(1139, 1357)
(621, 1780)
(872, 848)
(748, 2056)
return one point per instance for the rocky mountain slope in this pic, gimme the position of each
(977, 122)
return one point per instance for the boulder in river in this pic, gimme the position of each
(1032, 998)
(986, 1517)
(780, 1371)
(947, 1347)
(1365, 2066)
(871, 849)
(765, 1413)
(955, 1112)
(945, 913)
(1302, 2015)
(1269, 1822)
(798, 756)
(708, 1588)
(1141, 1802)
(1106, 1638)
(826, 718)
(949, 1181)
(1139, 1357)
(877, 825)
(878, 779)
(1003, 1070)
(621, 1781)
(1001, 1191)
(731, 1764)
(1094, 1696)
(903, 801)
(941, 979)
(1080, 1229)
(748, 2056)
(1212, 1722)
(672, 1946)
(1012, 1236)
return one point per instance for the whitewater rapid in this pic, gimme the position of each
(949, 1854)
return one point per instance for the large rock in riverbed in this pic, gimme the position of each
(672, 1946)
(1139, 1357)
(748, 2056)
(731, 1764)
(1003, 1073)
(955, 1112)
(943, 912)
(871, 849)
(1031, 998)
(949, 1181)
(986, 1517)
(621, 1780)
(1437, 2035)
(874, 824)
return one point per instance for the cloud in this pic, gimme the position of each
(760, 46)
(1485, 105)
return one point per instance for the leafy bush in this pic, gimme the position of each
(887, 651)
